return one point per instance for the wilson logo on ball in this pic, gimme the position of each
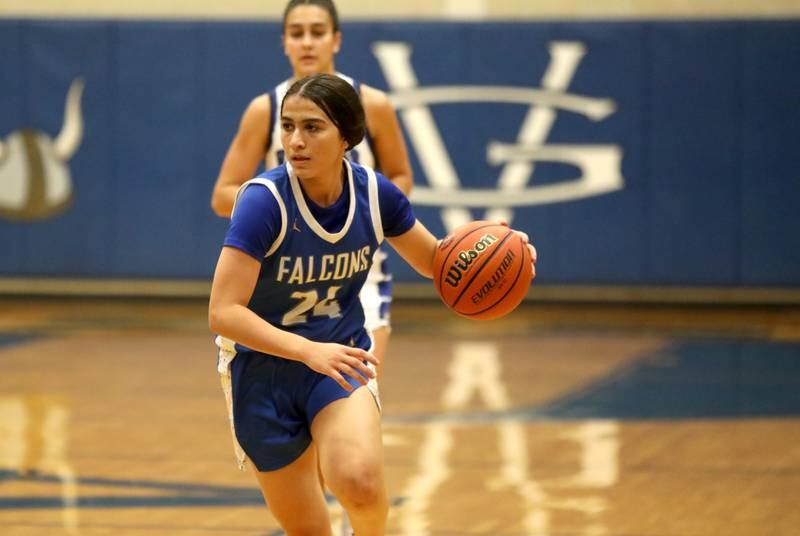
(465, 258)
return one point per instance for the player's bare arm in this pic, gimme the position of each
(390, 147)
(417, 247)
(245, 154)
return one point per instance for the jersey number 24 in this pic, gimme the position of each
(310, 302)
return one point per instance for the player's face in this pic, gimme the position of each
(313, 144)
(309, 40)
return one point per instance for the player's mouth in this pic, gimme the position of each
(297, 159)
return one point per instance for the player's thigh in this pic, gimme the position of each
(294, 496)
(347, 433)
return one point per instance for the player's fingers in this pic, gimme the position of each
(501, 221)
(362, 366)
(344, 368)
(523, 235)
(338, 378)
(534, 254)
(363, 355)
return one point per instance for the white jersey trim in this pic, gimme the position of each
(374, 204)
(305, 212)
(271, 187)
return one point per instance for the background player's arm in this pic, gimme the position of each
(228, 315)
(417, 247)
(387, 138)
(246, 152)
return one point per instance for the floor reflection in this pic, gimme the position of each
(34, 439)
(475, 373)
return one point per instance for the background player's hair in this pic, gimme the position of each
(337, 98)
(327, 5)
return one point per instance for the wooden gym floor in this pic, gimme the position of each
(558, 421)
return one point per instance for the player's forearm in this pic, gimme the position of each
(240, 324)
(417, 247)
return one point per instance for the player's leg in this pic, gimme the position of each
(295, 498)
(348, 437)
(271, 425)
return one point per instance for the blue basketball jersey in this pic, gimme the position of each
(313, 269)
(362, 153)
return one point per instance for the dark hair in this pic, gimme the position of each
(337, 98)
(327, 5)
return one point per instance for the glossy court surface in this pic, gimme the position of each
(559, 421)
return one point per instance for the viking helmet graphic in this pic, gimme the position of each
(35, 181)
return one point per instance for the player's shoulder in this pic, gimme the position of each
(373, 98)
(276, 175)
(270, 179)
(363, 175)
(362, 172)
(378, 108)
(259, 107)
(265, 191)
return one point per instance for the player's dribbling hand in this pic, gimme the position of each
(335, 360)
(526, 241)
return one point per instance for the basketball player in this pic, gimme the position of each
(311, 39)
(286, 287)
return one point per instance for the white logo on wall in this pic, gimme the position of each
(35, 181)
(600, 165)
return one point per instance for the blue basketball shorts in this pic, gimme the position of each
(274, 403)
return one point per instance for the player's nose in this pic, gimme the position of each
(296, 138)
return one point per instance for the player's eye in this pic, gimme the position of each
(286, 126)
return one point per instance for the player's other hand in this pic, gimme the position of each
(336, 360)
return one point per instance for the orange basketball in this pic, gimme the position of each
(482, 270)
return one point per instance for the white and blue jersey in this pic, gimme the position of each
(376, 295)
(314, 261)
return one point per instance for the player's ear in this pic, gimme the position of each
(337, 42)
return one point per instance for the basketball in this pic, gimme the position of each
(482, 270)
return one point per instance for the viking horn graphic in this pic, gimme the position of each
(35, 180)
(69, 139)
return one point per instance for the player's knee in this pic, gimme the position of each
(362, 485)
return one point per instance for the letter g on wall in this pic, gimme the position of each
(35, 182)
